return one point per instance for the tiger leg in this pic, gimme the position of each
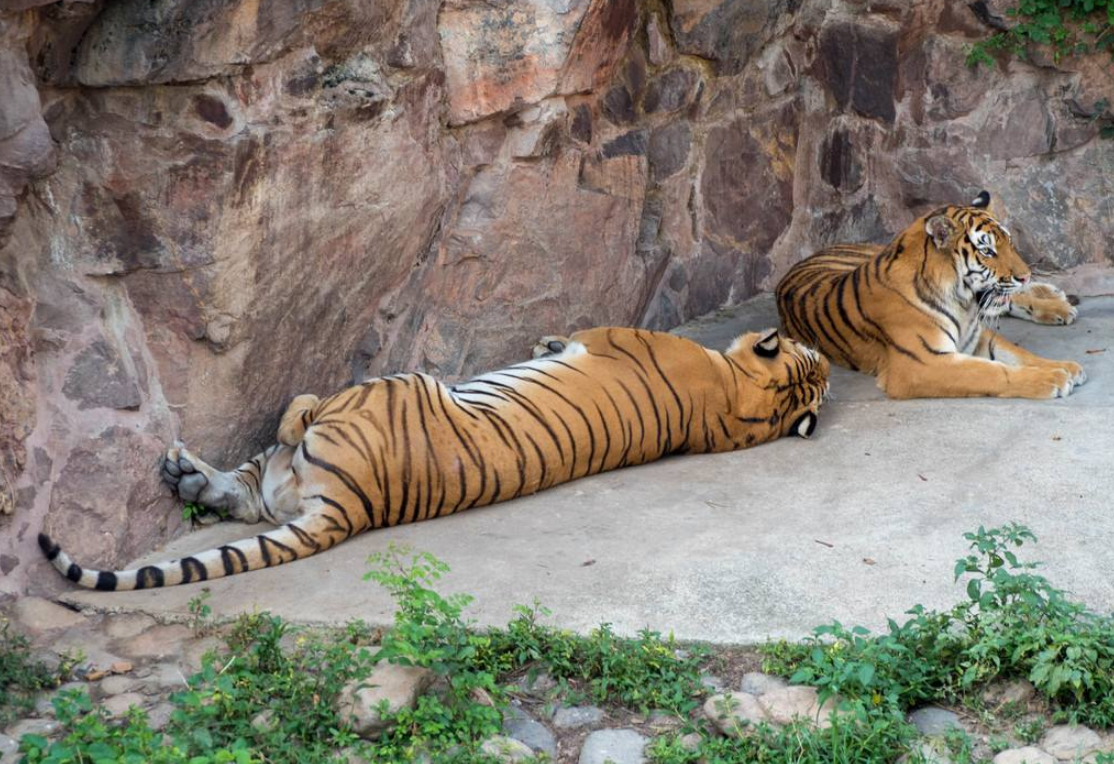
(262, 488)
(996, 347)
(550, 345)
(962, 376)
(1043, 304)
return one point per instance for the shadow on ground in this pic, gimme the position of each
(857, 524)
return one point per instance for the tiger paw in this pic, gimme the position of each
(1045, 382)
(1044, 304)
(1078, 375)
(550, 345)
(192, 480)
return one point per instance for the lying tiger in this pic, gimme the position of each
(405, 448)
(912, 313)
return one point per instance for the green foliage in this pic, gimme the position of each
(200, 611)
(21, 676)
(1068, 27)
(873, 737)
(1014, 623)
(197, 513)
(91, 738)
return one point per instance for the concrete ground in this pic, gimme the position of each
(857, 524)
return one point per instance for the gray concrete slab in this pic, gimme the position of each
(857, 524)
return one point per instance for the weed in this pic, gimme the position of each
(200, 611)
(21, 676)
(1029, 732)
(1068, 27)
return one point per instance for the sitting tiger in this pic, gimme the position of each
(913, 312)
(405, 448)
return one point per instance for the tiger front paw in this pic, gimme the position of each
(1044, 382)
(1044, 304)
(549, 345)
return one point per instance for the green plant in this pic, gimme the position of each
(1068, 27)
(1030, 732)
(21, 676)
(200, 611)
(1014, 623)
(91, 738)
(198, 513)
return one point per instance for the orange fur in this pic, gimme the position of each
(914, 312)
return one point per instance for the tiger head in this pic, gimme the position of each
(779, 375)
(988, 266)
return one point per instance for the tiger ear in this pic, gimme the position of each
(768, 344)
(941, 229)
(982, 201)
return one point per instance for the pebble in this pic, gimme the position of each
(614, 746)
(8, 745)
(117, 706)
(577, 716)
(757, 683)
(691, 741)
(507, 750)
(1068, 743)
(38, 615)
(933, 721)
(264, 721)
(1027, 755)
(735, 714)
(44, 727)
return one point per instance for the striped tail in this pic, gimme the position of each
(293, 541)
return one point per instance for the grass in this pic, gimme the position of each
(1014, 623)
(21, 676)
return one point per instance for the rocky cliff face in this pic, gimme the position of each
(208, 206)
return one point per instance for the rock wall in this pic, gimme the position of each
(209, 206)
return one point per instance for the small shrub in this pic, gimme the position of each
(21, 676)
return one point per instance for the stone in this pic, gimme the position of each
(117, 685)
(521, 726)
(858, 67)
(159, 642)
(728, 32)
(159, 716)
(618, 105)
(925, 753)
(121, 667)
(102, 376)
(127, 625)
(756, 683)
(44, 727)
(735, 714)
(932, 721)
(536, 683)
(1014, 691)
(691, 741)
(713, 683)
(264, 721)
(9, 747)
(39, 616)
(617, 746)
(118, 705)
(658, 47)
(669, 149)
(1026, 755)
(797, 702)
(669, 91)
(577, 716)
(1070, 742)
(400, 686)
(507, 749)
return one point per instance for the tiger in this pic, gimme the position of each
(406, 447)
(915, 312)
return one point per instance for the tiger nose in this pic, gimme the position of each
(1024, 279)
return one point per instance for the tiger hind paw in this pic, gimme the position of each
(550, 345)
